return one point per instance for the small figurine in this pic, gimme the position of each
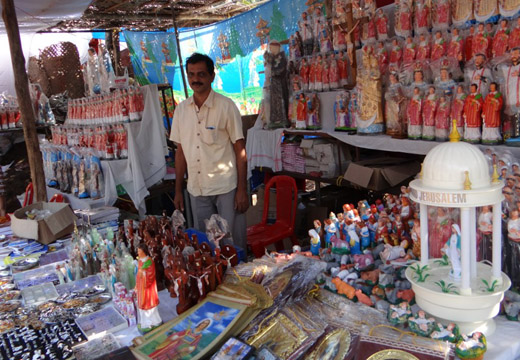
(481, 75)
(382, 57)
(395, 109)
(146, 292)
(422, 16)
(452, 250)
(457, 109)
(480, 42)
(409, 51)
(441, 14)
(340, 112)
(472, 347)
(449, 332)
(429, 110)
(491, 109)
(396, 54)
(381, 25)
(514, 36)
(403, 15)
(343, 64)
(315, 242)
(421, 325)
(500, 43)
(306, 31)
(439, 47)
(442, 119)
(399, 314)
(472, 115)
(313, 112)
(456, 46)
(334, 79)
(304, 74)
(301, 113)
(424, 48)
(414, 115)
(279, 93)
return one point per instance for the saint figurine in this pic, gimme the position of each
(306, 31)
(491, 116)
(396, 54)
(456, 46)
(480, 41)
(313, 109)
(441, 232)
(334, 78)
(422, 16)
(279, 93)
(301, 113)
(473, 115)
(500, 42)
(304, 74)
(403, 16)
(439, 47)
(409, 51)
(441, 14)
(424, 48)
(340, 111)
(370, 119)
(395, 109)
(414, 115)
(146, 292)
(468, 44)
(514, 37)
(511, 74)
(343, 65)
(480, 75)
(442, 118)
(382, 57)
(381, 25)
(457, 109)
(429, 109)
(444, 82)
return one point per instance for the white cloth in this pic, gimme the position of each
(263, 148)
(149, 318)
(147, 148)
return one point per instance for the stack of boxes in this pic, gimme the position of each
(124, 303)
(322, 158)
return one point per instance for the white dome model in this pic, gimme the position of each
(445, 167)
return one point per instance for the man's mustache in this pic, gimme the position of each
(196, 83)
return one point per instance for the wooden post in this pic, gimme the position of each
(24, 100)
(183, 75)
(350, 27)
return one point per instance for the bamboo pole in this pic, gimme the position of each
(24, 100)
(183, 75)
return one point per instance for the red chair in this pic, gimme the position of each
(263, 234)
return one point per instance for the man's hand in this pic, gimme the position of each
(241, 201)
(178, 201)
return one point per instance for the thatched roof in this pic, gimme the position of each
(154, 14)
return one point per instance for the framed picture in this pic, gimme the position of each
(233, 349)
(193, 334)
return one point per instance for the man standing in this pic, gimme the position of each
(207, 129)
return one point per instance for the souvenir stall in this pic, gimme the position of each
(432, 272)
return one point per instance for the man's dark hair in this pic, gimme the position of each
(197, 58)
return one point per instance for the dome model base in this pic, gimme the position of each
(439, 296)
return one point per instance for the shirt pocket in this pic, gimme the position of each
(209, 135)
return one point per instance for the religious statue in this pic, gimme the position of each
(485, 228)
(468, 44)
(414, 115)
(306, 31)
(442, 118)
(304, 74)
(409, 51)
(278, 87)
(334, 78)
(382, 57)
(353, 111)
(343, 64)
(396, 54)
(423, 49)
(456, 46)
(395, 109)
(340, 111)
(146, 292)
(441, 14)
(491, 110)
(457, 109)
(370, 119)
(441, 232)
(513, 236)
(514, 36)
(381, 25)
(403, 17)
(511, 75)
(480, 75)
(422, 16)
(429, 110)
(313, 112)
(318, 73)
(444, 82)
(472, 346)
(439, 47)
(452, 250)
(481, 41)
(325, 75)
(399, 314)
(473, 115)
(500, 42)
(301, 112)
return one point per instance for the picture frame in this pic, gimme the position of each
(233, 349)
(193, 334)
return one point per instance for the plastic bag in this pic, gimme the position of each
(217, 229)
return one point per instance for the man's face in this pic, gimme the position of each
(492, 87)
(199, 78)
(515, 54)
(479, 61)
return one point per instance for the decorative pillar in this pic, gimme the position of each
(465, 286)
(473, 242)
(497, 242)
(424, 234)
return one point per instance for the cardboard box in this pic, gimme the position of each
(381, 173)
(55, 226)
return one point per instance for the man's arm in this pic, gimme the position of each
(241, 199)
(180, 171)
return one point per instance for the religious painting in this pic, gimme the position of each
(280, 335)
(233, 349)
(484, 9)
(193, 334)
(278, 283)
(334, 346)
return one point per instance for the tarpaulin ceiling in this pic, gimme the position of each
(35, 15)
